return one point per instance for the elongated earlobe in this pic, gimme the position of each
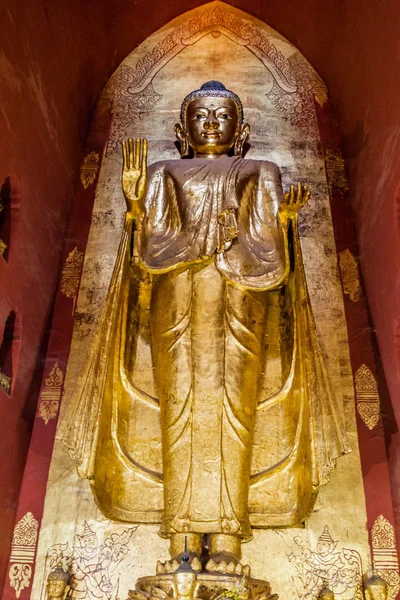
(182, 139)
(241, 139)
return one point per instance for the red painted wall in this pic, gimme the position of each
(48, 81)
(56, 56)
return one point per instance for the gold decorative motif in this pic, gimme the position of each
(89, 169)
(50, 395)
(335, 170)
(368, 405)
(3, 247)
(23, 553)
(5, 382)
(384, 554)
(71, 273)
(350, 275)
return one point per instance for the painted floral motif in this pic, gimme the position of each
(368, 404)
(50, 395)
(23, 553)
(71, 274)
(384, 554)
(350, 275)
(89, 169)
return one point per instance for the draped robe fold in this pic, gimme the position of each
(207, 329)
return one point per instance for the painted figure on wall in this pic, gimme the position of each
(206, 405)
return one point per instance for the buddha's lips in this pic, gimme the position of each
(211, 134)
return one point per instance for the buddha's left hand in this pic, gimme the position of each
(293, 201)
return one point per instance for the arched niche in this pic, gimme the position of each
(283, 98)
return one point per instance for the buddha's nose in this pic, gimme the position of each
(211, 123)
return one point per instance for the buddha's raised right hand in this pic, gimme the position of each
(134, 174)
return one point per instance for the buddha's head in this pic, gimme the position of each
(326, 594)
(212, 122)
(184, 584)
(376, 588)
(57, 584)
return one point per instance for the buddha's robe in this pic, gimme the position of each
(181, 356)
(207, 321)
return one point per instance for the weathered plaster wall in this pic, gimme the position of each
(56, 56)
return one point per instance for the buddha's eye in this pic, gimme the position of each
(225, 116)
(198, 116)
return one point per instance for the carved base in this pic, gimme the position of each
(208, 586)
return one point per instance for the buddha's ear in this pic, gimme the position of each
(241, 139)
(182, 139)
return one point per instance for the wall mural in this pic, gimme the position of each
(94, 567)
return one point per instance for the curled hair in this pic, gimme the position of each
(212, 89)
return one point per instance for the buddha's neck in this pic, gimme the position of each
(209, 156)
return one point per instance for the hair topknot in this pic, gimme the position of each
(214, 89)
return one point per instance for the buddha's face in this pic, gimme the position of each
(378, 591)
(212, 126)
(185, 584)
(56, 588)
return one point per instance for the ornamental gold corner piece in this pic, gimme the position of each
(23, 553)
(51, 394)
(350, 275)
(89, 169)
(368, 404)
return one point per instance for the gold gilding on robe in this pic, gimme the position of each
(205, 404)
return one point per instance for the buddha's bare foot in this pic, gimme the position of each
(170, 566)
(227, 564)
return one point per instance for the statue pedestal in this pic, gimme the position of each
(206, 586)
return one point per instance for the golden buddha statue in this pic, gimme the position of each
(326, 594)
(57, 586)
(376, 588)
(205, 404)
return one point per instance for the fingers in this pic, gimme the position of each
(291, 195)
(296, 197)
(144, 149)
(131, 153)
(124, 156)
(306, 195)
(137, 153)
(299, 194)
(134, 154)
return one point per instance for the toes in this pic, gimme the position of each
(196, 564)
(211, 566)
(246, 570)
(160, 568)
(231, 568)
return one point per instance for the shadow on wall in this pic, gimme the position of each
(9, 351)
(5, 218)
